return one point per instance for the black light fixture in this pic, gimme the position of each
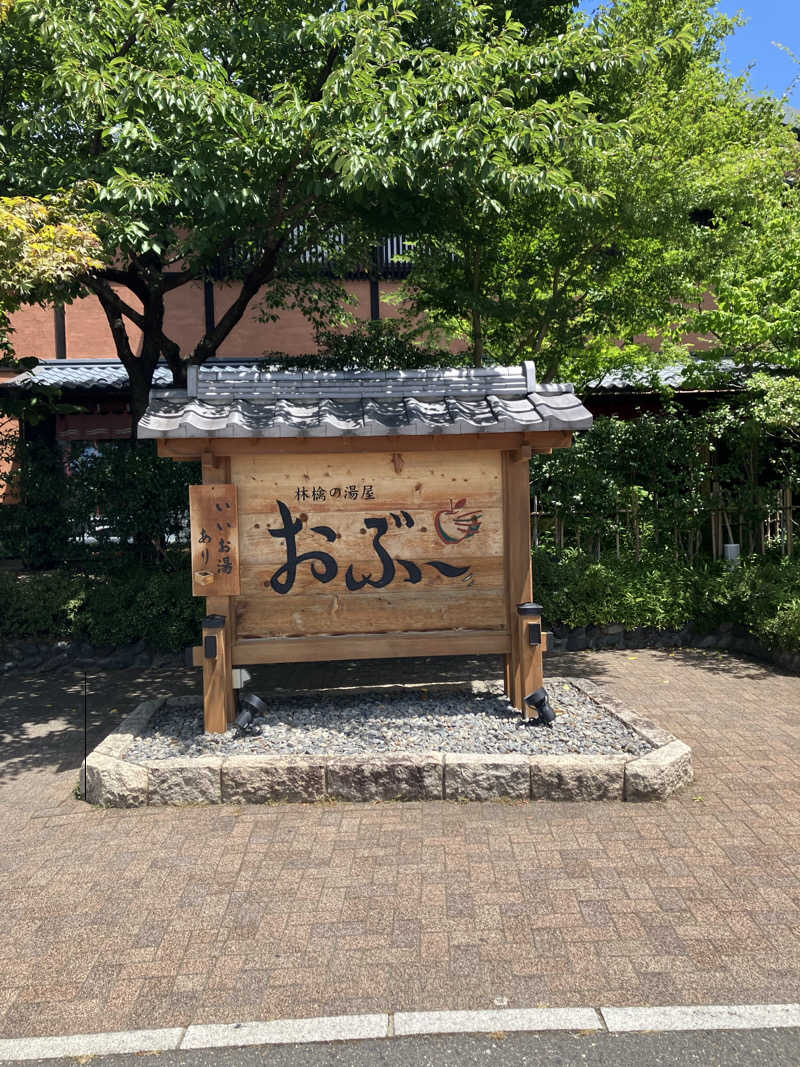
(244, 723)
(250, 706)
(540, 702)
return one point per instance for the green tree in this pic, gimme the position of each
(257, 132)
(673, 209)
(44, 246)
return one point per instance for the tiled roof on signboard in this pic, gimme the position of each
(246, 399)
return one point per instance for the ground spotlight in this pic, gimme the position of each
(540, 702)
(250, 706)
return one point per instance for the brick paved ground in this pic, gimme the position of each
(113, 920)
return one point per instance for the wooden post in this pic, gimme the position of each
(532, 644)
(217, 688)
(517, 545)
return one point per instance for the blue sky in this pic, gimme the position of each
(751, 45)
(769, 20)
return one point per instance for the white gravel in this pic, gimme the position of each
(407, 720)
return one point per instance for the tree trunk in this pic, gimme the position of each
(147, 279)
(472, 263)
(477, 338)
(140, 376)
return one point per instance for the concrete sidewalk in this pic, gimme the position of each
(121, 920)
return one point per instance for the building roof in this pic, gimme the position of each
(86, 375)
(791, 116)
(248, 399)
(695, 375)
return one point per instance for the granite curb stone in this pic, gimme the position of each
(396, 777)
(119, 740)
(270, 779)
(182, 781)
(112, 781)
(486, 777)
(656, 735)
(576, 777)
(660, 773)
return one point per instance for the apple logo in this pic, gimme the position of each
(454, 525)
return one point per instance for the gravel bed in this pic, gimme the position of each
(476, 719)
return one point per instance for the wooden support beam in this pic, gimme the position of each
(367, 646)
(532, 644)
(193, 448)
(217, 674)
(217, 470)
(517, 545)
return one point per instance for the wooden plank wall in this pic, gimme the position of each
(416, 487)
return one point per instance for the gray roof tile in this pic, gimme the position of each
(90, 375)
(250, 400)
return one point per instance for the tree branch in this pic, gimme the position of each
(132, 37)
(538, 332)
(118, 332)
(316, 93)
(258, 276)
(175, 279)
(107, 296)
(131, 279)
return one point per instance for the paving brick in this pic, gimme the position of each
(115, 919)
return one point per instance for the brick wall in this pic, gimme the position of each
(89, 337)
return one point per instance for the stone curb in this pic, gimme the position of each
(729, 637)
(659, 773)
(114, 782)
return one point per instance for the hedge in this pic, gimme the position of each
(115, 608)
(124, 606)
(762, 593)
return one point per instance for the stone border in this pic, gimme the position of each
(111, 781)
(29, 654)
(42, 656)
(728, 637)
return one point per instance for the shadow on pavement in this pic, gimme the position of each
(41, 715)
(590, 664)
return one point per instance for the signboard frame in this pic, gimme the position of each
(224, 460)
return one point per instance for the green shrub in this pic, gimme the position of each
(141, 603)
(577, 590)
(129, 500)
(36, 528)
(39, 605)
(783, 631)
(118, 608)
(762, 593)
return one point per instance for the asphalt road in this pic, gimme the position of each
(715, 1048)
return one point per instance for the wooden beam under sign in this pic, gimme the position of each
(367, 646)
(215, 659)
(193, 448)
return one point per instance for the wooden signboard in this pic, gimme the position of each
(308, 555)
(369, 544)
(366, 514)
(213, 516)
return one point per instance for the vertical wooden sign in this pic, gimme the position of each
(214, 518)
